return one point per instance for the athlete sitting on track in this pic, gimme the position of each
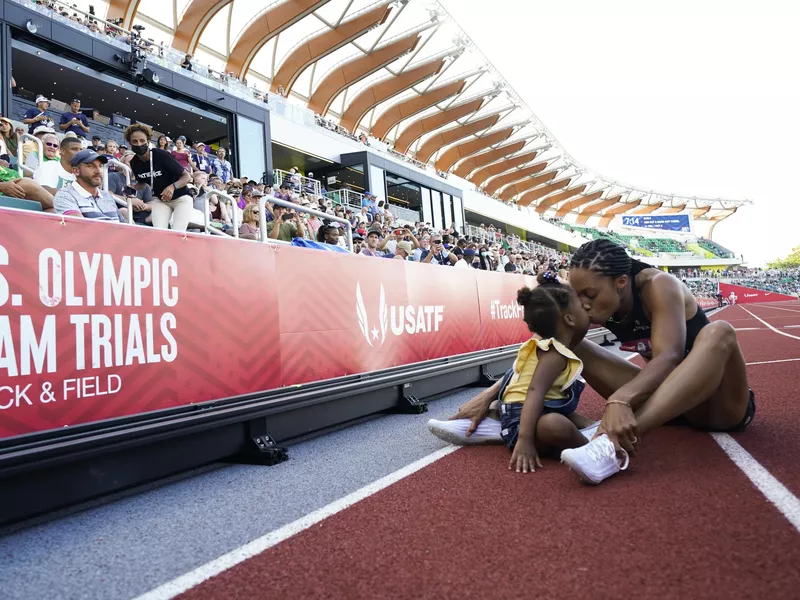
(694, 369)
(540, 393)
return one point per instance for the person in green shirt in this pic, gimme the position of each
(290, 225)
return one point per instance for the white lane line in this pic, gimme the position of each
(748, 328)
(773, 490)
(772, 305)
(772, 362)
(215, 567)
(787, 503)
(777, 308)
(770, 326)
(204, 572)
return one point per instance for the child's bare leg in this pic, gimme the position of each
(555, 432)
(494, 411)
(581, 421)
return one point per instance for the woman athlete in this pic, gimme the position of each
(694, 370)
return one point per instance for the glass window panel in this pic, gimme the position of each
(458, 213)
(251, 144)
(448, 210)
(427, 213)
(436, 199)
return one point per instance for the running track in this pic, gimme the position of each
(695, 516)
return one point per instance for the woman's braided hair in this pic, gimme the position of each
(544, 304)
(604, 257)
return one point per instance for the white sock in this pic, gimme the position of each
(487, 427)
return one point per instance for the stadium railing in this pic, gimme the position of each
(23, 169)
(125, 169)
(305, 182)
(262, 218)
(348, 199)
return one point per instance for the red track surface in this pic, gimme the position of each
(683, 522)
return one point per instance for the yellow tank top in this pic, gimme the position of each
(525, 365)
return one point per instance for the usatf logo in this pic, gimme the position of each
(405, 319)
(505, 311)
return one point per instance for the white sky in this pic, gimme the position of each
(694, 97)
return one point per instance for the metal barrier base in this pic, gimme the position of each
(262, 451)
(40, 473)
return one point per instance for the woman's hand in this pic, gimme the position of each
(475, 410)
(619, 423)
(525, 458)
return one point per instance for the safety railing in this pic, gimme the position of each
(404, 214)
(482, 234)
(262, 218)
(128, 172)
(24, 169)
(230, 200)
(308, 185)
(352, 200)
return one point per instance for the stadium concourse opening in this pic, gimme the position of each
(111, 102)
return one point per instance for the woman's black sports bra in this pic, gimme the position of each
(635, 334)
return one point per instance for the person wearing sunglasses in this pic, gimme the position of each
(30, 149)
(249, 229)
(56, 173)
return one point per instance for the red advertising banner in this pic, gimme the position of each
(501, 316)
(100, 320)
(706, 303)
(736, 294)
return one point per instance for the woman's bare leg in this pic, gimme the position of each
(603, 370)
(709, 387)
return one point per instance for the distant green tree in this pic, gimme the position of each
(791, 261)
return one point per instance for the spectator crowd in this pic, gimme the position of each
(781, 281)
(170, 181)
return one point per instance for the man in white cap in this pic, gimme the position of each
(37, 117)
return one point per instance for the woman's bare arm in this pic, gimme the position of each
(664, 299)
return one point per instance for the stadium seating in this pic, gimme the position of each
(715, 248)
(493, 246)
(19, 203)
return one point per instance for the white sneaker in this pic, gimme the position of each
(595, 461)
(455, 432)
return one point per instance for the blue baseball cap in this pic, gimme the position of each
(86, 157)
